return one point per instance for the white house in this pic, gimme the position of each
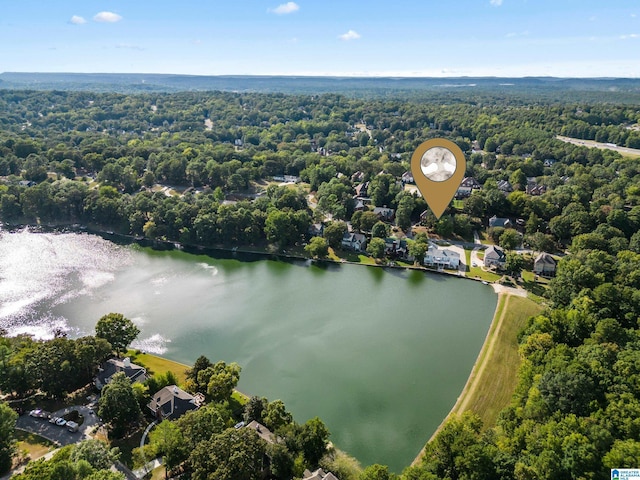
(494, 256)
(441, 258)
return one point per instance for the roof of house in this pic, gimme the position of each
(545, 258)
(108, 369)
(383, 211)
(470, 182)
(499, 222)
(354, 237)
(505, 186)
(173, 402)
(262, 431)
(495, 252)
(319, 474)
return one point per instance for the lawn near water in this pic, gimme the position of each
(495, 374)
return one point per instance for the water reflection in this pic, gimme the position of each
(334, 341)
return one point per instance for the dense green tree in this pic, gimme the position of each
(7, 436)
(514, 264)
(286, 228)
(255, 408)
(198, 425)
(317, 247)
(276, 416)
(509, 239)
(460, 450)
(220, 380)
(96, 452)
(334, 232)
(418, 249)
(377, 472)
(117, 330)
(281, 461)
(314, 439)
(380, 230)
(118, 405)
(404, 211)
(375, 248)
(166, 439)
(232, 454)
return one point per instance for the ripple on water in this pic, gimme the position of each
(39, 271)
(210, 268)
(156, 344)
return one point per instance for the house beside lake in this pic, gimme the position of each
(108, 369)
(173, 402)
(494, 256)
(441, 258)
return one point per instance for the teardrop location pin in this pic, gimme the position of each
(438, 166)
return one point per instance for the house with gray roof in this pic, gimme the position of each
(319, 474)
(500, 222)
(262, 431)
(108, 369)
(354, 241)
(173, 402)
(494, 256)
(544, 265)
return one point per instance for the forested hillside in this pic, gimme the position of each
(209, 169)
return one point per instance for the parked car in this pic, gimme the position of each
(72, 426)
(38, 413)
(61, 422)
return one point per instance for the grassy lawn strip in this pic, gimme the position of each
(155, 364)
(35, 445)
(494, 375)
(497, 367)
(488, 276)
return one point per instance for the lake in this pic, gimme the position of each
(379, 355)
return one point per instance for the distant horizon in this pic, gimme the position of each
(327, 75)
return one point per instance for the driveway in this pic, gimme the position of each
(59, 435)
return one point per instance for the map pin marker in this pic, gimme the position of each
(438, 167)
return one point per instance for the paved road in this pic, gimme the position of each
(59, 435)
(604, 146)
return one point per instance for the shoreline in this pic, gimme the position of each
(218, 251)
(232, 252)
(475, 373)
(484, 359)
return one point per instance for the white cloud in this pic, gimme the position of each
(631, 35)
(350, 35)
(495, 3)
(285, 8)
(77, 20)
(633, 15)
(517, 34)
(129, 46)
(107, 17)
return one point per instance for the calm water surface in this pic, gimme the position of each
(380, 356)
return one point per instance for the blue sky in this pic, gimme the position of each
(323, 37)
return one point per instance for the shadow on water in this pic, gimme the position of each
(318, 267)
(416, 278)
(376, 273)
